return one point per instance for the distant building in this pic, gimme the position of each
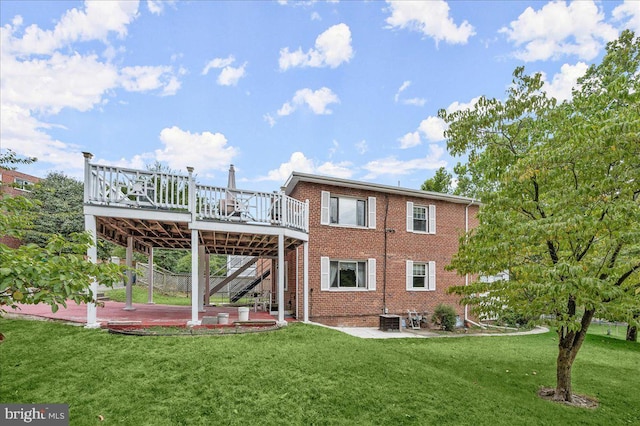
(15, 183)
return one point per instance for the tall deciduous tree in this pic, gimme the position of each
(59, 209)
(53, 273)
(440, 182)
(560, 185)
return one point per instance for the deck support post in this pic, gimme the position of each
(195, 275)
(201, 277)
(92, 255)
(305, 281)
(150, 279)
(281, 271)
(207, 279)
(129, 287)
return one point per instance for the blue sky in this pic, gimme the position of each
(341, 88)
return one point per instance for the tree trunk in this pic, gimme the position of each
(563, 370)
(632, 333)
(569, 343)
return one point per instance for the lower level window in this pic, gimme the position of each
(348, 274)
(421, 276)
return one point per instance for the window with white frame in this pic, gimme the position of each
(421, 219)
(338, 274)
(348, 211)
(23, 185)
(421, 276)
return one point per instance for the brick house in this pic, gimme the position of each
(14, 183)
(332, 251)
(376, 249)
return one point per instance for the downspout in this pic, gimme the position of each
(466, 231)
(384, 260)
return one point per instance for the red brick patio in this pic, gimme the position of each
(143, 315)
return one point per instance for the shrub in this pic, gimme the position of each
(445, 317)
(511, 318)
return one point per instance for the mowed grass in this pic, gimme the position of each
(309, 375)
(140, 294)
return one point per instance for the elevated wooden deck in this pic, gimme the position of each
(160, 210)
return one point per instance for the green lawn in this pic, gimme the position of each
(140, 294)
(305, 375)
(614, 331)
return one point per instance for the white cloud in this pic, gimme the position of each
(300, 163)
(315, 16)
(148, 78)
(317, 101)
(562, 83)
(44, 72)
(269, 119)
(629, 11)
(297, 162)
(157, 6)
(26, 135)
(332, 48)
(410, 140)
(558, 29)
(432, 128)
(405, 86)
(411, 101)
(218, 63)
(229, 76)
(335, 146)
(414, 101)
(431, 18)
(203, 151)
(392, 166)
(51, 84)
(362, 147)
(94, 23)
(457, 106)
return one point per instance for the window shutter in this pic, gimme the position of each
(409, 276)
(432, 219)
(372, 212)
(432, 275)
(324, 273)
(371, 272)
(324, 208)
(409, 216)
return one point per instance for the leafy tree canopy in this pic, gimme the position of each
(53, 273)
(560, 185)
(440, 182)
(59, 208)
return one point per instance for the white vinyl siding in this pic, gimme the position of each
(347, 275)
(420, 276)
(421, 219)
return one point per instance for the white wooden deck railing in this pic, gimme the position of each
(116, 186)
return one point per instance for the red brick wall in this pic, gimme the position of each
(7, 178)
(362, 308)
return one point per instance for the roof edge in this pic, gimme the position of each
(297, 177)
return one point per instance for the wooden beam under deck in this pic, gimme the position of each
(147, 233)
